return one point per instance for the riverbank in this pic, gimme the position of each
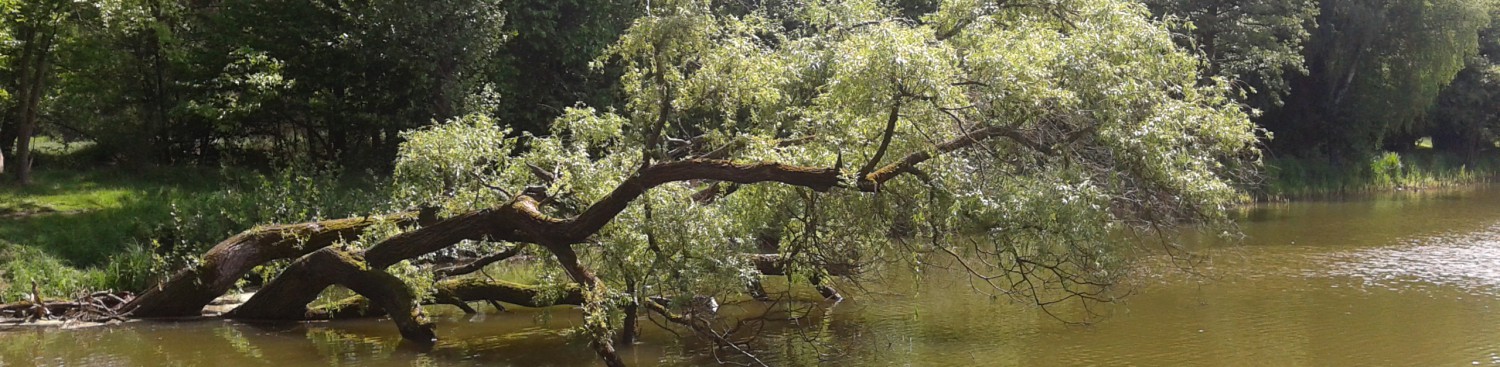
(1311, 282)
(84, 228)
(1291, 178)
(77, 230)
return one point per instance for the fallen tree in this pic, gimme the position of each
(1014, 139)
(187, 291)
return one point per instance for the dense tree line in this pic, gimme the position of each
(337, 81)
(249, 81)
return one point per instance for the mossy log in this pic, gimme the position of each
(438, 235)
(188, 291)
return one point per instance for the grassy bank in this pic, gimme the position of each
(79, 229)
(1297, 178)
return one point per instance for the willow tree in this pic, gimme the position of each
(1375, 69)
(1012, 140)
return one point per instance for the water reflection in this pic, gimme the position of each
(1466, 261)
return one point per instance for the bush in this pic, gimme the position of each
(1386, 169)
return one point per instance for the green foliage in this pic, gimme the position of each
(1255, 43)
(359, 72)
(1295, 178)
(1386, 168)
(1376, 68)
(457, 163)
(252, 82)
(1466, 117)
(21, 265)
(1129, 135)
(127, 229)
(544, 65)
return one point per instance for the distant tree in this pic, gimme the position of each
(544, 66)
(339, 80)
(36, 26)
(335, 82)
(1376, 67)
(7, 138)
(1466, 118)
(1256, 44)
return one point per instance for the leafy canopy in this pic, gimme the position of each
(1099, 121)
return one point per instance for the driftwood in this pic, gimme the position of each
(96, 307)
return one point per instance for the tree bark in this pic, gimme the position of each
(187, 292)
(489, 224)
(474, 289)
(287, 297)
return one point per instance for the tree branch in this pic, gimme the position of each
(479, 263)
(872, 181)
(605, 210)
(885, 139)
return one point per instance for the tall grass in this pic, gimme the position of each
(1292, 178)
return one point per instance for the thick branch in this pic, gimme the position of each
(489, 224)
(885, 139)
(287, 296)
(593, 305)
(189, 290)
(602, 212)
(475, 289)
(459, 291)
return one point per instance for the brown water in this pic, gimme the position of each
(1396, 280)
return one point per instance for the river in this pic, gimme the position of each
(1401, 279)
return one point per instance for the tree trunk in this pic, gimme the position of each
(475, 289)
(34, 77)
(287, 297)
(8, 131)
(23, 144)
(189, 290)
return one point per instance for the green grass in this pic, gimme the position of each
(75, 229)
(84, 217)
